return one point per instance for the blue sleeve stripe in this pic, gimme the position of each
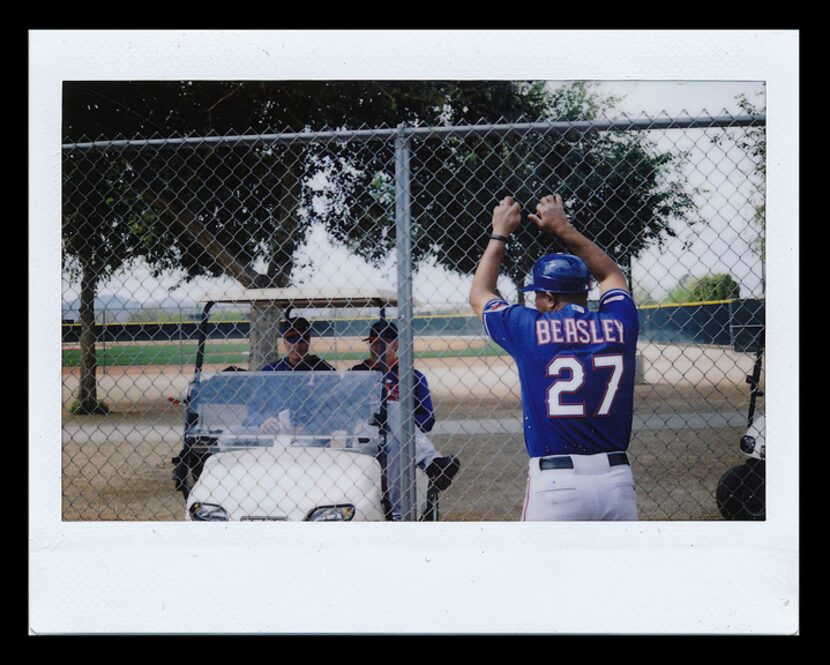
(491, 302)
(613, 292)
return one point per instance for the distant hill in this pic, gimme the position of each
(108, 308)
(115, 309)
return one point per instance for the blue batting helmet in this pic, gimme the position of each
(560, 273)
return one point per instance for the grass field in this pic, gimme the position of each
(185, 354)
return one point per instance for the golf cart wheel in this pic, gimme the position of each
(741, 492)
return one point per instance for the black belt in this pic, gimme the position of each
(565, 461)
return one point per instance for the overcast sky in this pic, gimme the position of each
(723, 245)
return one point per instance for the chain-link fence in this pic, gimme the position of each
(346, 229)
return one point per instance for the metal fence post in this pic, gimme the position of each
(104, 341)
(405, 352)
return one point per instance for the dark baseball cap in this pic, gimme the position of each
(298, 328)
(388, 330)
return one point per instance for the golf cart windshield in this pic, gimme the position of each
(250, 408)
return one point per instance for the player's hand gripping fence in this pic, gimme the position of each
(678, 203)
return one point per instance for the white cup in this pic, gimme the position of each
(338, 439)
(284, 419)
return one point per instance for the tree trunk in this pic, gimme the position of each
(264, 331)
(177, 213)
(264, 335)
(88, 396)
(265, 317)
(284, 244)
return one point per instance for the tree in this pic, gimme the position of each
(622, 192)
(97, 241)
(643, 297)
(219, 208)
(753, 141)
(755, 144)
(719, 286)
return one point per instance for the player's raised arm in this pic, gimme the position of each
(550, 217)
(506, 219)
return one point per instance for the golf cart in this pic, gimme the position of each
(741, 491)
(322, 455)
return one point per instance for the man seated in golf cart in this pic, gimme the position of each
(383, 347)
(296, 337)
(441, 469)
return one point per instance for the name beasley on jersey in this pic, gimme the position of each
(579, 331)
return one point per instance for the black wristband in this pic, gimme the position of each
(496, 236)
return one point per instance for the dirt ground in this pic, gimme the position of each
(108, 476)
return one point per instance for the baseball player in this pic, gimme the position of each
(576, 369)
(441, 469)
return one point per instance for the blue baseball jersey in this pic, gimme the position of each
(576, 370)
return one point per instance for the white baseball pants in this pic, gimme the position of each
(592, 490)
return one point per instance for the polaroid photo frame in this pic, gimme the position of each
(443, 578)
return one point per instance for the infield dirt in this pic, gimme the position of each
(113, 478)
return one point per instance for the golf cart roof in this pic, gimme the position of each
(304, 297)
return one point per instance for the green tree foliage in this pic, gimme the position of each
(720, 286)
(681, 292)
(258, 203)
(621, 191)
(755, 144)
(643, 297)
(254, 202)
(753, 141)
(715, 287)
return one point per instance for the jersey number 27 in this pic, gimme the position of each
(575, 379)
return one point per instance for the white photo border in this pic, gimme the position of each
(488, 578)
